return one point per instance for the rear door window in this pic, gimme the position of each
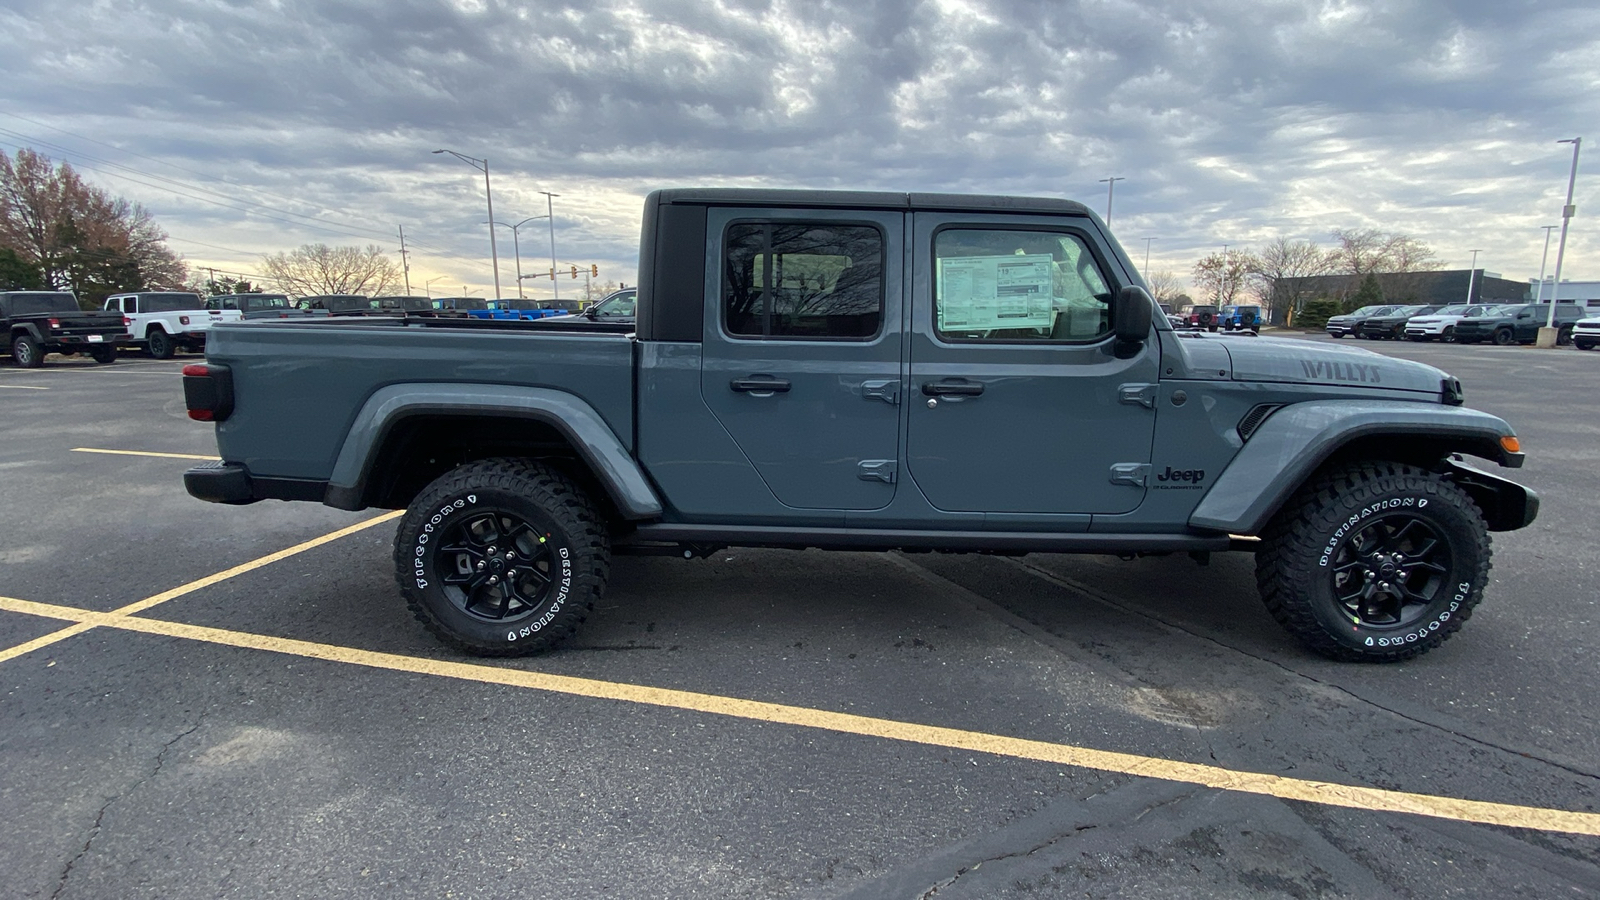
(789, 280)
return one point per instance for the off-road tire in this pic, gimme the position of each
(1302, 549)
(103, 355)
(1583, 345)
(1503, 337)
(26, 352)
(536, 513)
(1563, 337)
(161, 344)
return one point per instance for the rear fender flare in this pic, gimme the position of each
(24, 328)
(1291, 444)
(613, 466)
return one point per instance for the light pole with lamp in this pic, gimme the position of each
(1538, 295)
(516, 248)
(1472, 273)
(1111, 186)
(1147, 241)
(1548, 335)
(550, 213)
(428, 288)
(483, 166)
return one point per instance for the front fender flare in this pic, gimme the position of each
(588, 433)
(1283, 452)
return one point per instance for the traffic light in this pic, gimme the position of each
(574, 271)
(595, 271)
(552, 273)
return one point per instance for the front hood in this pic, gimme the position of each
(1303, 362)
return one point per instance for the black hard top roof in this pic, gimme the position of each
(776, 197)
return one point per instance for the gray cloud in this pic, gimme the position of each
(1232, 121)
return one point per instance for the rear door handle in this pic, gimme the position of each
(760, 384)
(951, 388)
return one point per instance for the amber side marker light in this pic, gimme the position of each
(1510, 444)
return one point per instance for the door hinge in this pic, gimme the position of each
(876, 470)
(1142, 394)
(887, 391)
(1131, 474)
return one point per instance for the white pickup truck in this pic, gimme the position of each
(164, 321)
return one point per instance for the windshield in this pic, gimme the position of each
(169, 302)
(33, 304)
(1455, 311)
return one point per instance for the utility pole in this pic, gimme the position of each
(1472, 273)
(1549, 334)
(550, 213)
(1111, 185)
(1538, 296)
(405, 264)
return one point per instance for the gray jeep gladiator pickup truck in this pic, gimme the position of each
(868, 371)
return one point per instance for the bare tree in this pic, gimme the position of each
(1392, 256)
(1283, 273)
(78, 236)
(1223, 275)
(1164, 286)
(319, 269)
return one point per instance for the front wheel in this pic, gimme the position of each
(502, 557)
(1449, 333)
(26, 352)
(1374, 561)
(1584, 345)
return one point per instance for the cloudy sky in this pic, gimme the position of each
(256, 127)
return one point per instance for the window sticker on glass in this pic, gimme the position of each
(995, 291)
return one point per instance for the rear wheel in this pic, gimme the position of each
(502, 557)
(161, 344)
(26, 352)
(1563, 337)
(1503, 337)
(103, 354)
(1374, 561)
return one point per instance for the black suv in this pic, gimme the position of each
(40, 322)
(1392, 324)
(1520, 324)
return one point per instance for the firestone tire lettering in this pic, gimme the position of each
(1298, 547)
(568, 523)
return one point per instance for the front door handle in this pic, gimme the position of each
(952, 388)
(760, 384)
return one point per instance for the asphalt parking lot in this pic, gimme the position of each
(208, 701)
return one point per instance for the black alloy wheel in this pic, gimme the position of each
(1388, 573)
(161, 344)
(1563, 336)
(495, 566)
(1503, 337)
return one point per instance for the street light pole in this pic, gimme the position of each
(483, 166)
(1538, 296)
(516, 248)
(1146, 269)
(428, 288)
(1567, 212)
(550, 213)
(1472, 273)
(1111, 186)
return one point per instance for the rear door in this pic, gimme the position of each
(1019, 402)
(802, 349)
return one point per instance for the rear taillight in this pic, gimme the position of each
(208, 391)
(55, 323)
(127, 322)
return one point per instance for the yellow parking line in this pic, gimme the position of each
(87, 619)
(1321, 792)
(142, 453)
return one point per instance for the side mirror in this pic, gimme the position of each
(1130, 315)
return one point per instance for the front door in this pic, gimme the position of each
(1019, 400)
(802, 348)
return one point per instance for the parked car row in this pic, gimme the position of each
(1497, 323)
(1210, 318)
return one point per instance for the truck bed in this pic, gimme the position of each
(318, 373)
